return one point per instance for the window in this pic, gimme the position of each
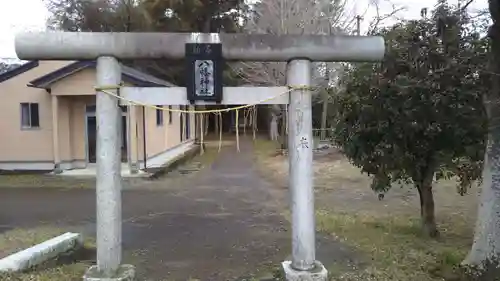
(159, 116)
(170, 114)
(29, 115)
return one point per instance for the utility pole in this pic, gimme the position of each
(358, 24)
(324, 94)
(324, 113)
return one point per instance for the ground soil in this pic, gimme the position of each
(386, 232)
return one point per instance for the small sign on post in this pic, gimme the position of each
(204, 72)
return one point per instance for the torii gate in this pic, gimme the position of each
(298, 50)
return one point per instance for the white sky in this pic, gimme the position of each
(22, 15)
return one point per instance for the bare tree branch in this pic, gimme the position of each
(379, 19)
(467, 5)
(302, 17)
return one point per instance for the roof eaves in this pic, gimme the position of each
(51, 77)
(131, 75)
(139, 82)
(18, 70)
(145, 77)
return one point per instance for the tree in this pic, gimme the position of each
(150, 16)
(95, 16)
(418, 116)
(279, 17)
(192, 16)
(291, 17)
(4, 67)
(485, 249)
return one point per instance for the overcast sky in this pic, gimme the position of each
(21, 15)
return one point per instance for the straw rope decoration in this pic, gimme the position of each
(217, 112)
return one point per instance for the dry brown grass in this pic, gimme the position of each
(26, 180)
(386, 231)
(18, 239)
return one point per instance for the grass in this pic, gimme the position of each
(190, 165)
(69, 267)
(26, 180)
(18, 239)
(394, 248)
(209, 155)
(386, 233)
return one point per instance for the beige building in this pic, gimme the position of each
(48, 122)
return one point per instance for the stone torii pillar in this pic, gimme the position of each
(298, 50)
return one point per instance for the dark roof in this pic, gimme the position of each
(18, 70)
(131, 75)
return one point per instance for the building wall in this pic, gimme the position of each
(158, 138)
(74, 93)
(65, 126)
(78, 130)
(81, 83)
(26, 145)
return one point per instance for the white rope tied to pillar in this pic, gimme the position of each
(105, 89)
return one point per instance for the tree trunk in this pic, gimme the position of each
(273, 128)
(283, 131)
(283, 134)
(254, 122)
(486, 245)
(273, 122)
(216, 125)
(427, 212)
(429, 226)
(205, 122)
(324, 115)
(421, 201)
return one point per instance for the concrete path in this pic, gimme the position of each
(219, 227)
(221, 224)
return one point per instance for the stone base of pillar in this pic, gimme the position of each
(126, 272)
(319, 273)
(134, 169)
(57, 169)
